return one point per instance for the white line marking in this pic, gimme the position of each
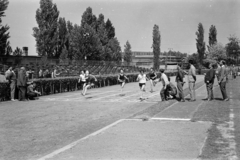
(71, 145)
(171, 119)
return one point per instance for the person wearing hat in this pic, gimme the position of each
(22, 84)
(31, 92)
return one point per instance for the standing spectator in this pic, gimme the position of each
(180, 82)
(40, 73)
(31, 92)
(209, 80)
(46, 73)
(223, 80)
(218, 70)
(11, 77)
(54, 73)
(191, 81)
(165, 82)
(30, 74)
(21, 84)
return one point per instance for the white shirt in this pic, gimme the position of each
(164, 79)
(142, 78)
(82, 77)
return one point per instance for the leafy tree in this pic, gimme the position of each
(87, 17)
(4, 34)
(127, 52)
(62, 36)
(212, 35)
(46, 34)
(233, 48)
(200, 42)
(156, 47)
(64, 56)
(110, 29)
(217, 52)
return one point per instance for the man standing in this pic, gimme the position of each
(180, 82)
(11, 77)
(223, 80)
(209, 80)
(22, 83)
(165, 82)
(191, 81)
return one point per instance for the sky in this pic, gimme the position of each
(134, 20)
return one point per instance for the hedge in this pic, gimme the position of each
(67, 84)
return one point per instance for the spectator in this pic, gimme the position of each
(180, 82)
(21, 84)
(40, 74)
(191, 81)
(209, 80)
(30, 74)
(165, 82)
(31, 92)
(223, 80)
(11, 77)
(55, 74)
(46, 73)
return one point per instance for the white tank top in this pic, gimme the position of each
(142, 78)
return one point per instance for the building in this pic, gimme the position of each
(145, 59)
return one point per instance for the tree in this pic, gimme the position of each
(233, 48)
(217, 52)
(212, 35)
(127, 52)
(46, 34)
(62, 36)
(110, 29)
(87, 17)
(4, 34)
(200, 42)
(156, 47)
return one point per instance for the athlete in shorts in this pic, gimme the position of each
(152, 77)
(122, 79)
(82, 80)
(89, 81)
(142, 79)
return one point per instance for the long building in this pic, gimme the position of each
(145, 59)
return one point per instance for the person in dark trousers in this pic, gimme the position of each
(209, 80)
(223, 80)
(31, 92)
(22, 84)
(180, 82)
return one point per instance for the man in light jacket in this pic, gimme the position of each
(22, 84)
(223, 80)
(191, 81)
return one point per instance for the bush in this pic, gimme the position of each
(67, 84)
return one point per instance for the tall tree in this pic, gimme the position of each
(87, 17)
(127, 52)
(46, 34)
(110, 29)
(200, 43)
(212, 35)
(62, 36)
(4, 34)
(156, 47)
(233, 48)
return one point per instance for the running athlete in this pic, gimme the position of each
(89, 81)
(142, 79)
(82, 80)
(122, 79)
(153, 77)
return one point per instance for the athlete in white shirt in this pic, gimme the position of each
(142, 79)
(165, 82)
(82, 80)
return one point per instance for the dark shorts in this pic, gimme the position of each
(82, 82)
(142, 84)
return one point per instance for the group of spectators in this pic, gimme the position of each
(221, 72)
(22, 82)
(48, 74)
